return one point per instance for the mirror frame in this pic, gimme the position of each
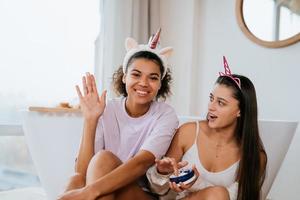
(252, 37)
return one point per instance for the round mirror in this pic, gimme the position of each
(270, 23)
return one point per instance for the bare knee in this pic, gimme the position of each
(102, 163)
(216, 193)
(76, 181)
(105, 159)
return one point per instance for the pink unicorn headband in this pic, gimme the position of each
(133, 47)
(228, 73)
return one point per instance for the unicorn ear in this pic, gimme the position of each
(130, 43)
(167, 52)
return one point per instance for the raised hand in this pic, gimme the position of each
(169, 165)
(92, 106)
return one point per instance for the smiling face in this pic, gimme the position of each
(223, 108)
(142, 80)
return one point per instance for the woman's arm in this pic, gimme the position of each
(92, 107)
(176, 149)
(86, 149)
(182, 140)
(158, 175)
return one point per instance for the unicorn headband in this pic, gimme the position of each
(133, 47)
(228, 73)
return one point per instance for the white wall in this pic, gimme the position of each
(201, 32)
(173, 34)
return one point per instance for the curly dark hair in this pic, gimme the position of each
(165, 89)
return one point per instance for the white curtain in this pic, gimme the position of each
(181, 24)
(45, 47)
(181, 28)
(121, 19)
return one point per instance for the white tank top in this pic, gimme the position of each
(223, 178)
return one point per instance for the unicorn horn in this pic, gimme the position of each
(226, 67)
(155, 39)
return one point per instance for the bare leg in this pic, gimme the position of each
(101, 164)
(132, 191)
(75, 182)
(97, 169)
(210, 193)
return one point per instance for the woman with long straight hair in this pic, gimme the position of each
(225, 151)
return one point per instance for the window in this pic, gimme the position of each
(46, 46)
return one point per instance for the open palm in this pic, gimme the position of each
(91, 104)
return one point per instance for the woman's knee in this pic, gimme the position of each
(105, 158)
(216, 193)
(102, 163)
(76, 181)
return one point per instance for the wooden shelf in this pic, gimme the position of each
(53, 109)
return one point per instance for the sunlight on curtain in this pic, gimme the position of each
(46, 46)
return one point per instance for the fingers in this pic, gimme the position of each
(184, 186)
(182, 164)
(197, 174)
(175, 187)
(78, 92)
(169, 161)
(178, 187)
(196, 171)
(165, 160)
(93, 84)
(175, 168)
(173, 163)
(89, 82)
(103, 96)
(85, 90)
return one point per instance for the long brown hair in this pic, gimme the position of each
(252, 168)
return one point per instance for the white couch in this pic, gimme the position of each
(53, 140)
